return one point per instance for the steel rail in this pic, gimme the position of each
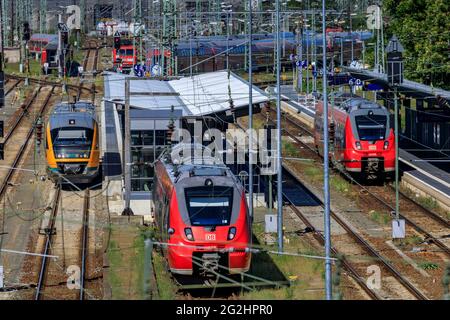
(321, 239)
(85, 61)
(411, 223)
(49, 232)
(18, 119)
(84, 241)
(367, 247)
(48, 83)
(347, 265)
(12, 87)
(22, 149)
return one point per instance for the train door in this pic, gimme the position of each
(165, 223)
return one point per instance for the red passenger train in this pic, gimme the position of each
(361, 138)
(202, 215)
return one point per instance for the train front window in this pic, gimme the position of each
(125, 52)
(371, 127)
(72, 142)
(209, 206)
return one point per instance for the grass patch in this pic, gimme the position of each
(115, 261)
(429, 266)
(313, 172)
(289, 149)
(166, 287)
(412, 240)
(13, 68)
(428, 202)
(339, 184)
(304, 274)
(380, 217)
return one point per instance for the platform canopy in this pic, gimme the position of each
(199, 95)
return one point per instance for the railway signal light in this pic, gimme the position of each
(39, 132)
(65, 38)
(395, 61)
(116, 42)
(26, 31)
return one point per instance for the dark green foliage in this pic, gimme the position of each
(423, 27)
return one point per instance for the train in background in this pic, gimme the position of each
(361, 137)
(45, 48)
(201, 212)
(207, 53)
(72, 143)
(124, 54)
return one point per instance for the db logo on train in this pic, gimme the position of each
(210, 237)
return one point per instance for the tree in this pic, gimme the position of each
(423, 27)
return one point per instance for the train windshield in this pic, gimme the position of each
(125, 52)
(68, 141)
(209, 206)
(371, 127)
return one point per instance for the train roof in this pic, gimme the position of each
(44, 37)
(350, 103)
(79, 114)
(182, 163)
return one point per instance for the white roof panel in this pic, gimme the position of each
(198, 95)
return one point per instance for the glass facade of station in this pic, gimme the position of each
(146, 146)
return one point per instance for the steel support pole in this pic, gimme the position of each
(127, 151)
(326, 185)
(250, 111)
(397, 213)
(279, 167)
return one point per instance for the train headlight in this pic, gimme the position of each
(231, 233)
(358, 145)
(386, 145)
(188, 233)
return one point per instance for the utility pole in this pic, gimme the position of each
(2, 39)
(127, 152)
(59, 50)
(279, 165)
(43, 16)
(83, 16)
(395, 78)
(169, 36)
(250, 108)
(326, 183)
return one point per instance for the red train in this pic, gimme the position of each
(125, 57)
(361, 138)
(202, 215)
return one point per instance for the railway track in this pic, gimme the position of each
(415, 215)
(70, 243)
(49, 83)
(377, 258)
(90, 64)
(10, 89)
(354, 269)
(25, 140)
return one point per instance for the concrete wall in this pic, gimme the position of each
(12, 55)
